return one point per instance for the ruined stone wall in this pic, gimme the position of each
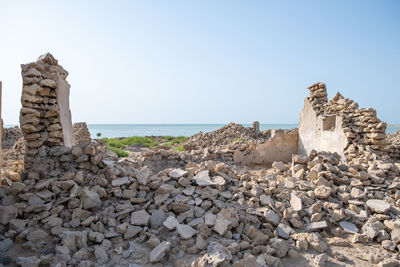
(339, 126)
(45, 115)
(81, 132)
(313, 134)
(280, 147)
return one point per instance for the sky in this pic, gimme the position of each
(168, 61)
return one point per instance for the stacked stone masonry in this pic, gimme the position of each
(81, 132)
(45, 117)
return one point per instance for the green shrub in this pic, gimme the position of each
(179, 148)
(174, 141)
(168, 138)
(117, 145)
(120, 153)
(237, 139)
(139, 140)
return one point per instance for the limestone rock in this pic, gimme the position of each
(140, 217)
(349, 227)
(323, 191)
(249, 261)
(143, 175)
(280, 166)
(7, 213)
(177, 173)
(120, 181)
(203, 179)
(90, 200)
(185, 231)
(377, 205)
(158, 253)
(37, 236)
(5, 244)
(170, 223)
(295, 202)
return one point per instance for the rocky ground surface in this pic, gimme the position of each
(197, 208)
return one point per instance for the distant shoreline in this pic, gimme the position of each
(393, 125)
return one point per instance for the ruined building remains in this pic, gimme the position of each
(339, 125)
(81, 132)
(45, 117)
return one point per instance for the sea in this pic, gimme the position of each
(125, 130)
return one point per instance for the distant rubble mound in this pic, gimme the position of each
(393, 145)
(227, 135)
(81, 132)
(10, 136)
(394, 138)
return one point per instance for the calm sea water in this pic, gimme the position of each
(124, 130)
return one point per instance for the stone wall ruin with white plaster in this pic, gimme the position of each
(45, 117)
(339, 125)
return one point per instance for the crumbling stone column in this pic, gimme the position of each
(256, 127)
(45, 115)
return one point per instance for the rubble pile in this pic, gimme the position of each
(196, 151)
(10, 136)
(81, 132)
(227, 135)
(93, 210)
(393, 145)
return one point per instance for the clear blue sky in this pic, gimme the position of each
(205, 61)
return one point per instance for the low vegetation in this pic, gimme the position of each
(118, 145)
(179, 148)
(237, 139)
(120, 153)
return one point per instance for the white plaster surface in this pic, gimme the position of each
(65, 113)
(312, 136)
